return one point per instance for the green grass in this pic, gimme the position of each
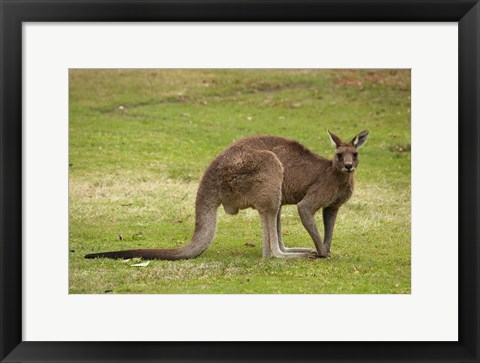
(141, 139)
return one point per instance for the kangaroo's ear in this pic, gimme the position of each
(360, 139)
(334, 139)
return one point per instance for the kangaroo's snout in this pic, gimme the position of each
(348, 168)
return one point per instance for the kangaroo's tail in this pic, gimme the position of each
(206, 207)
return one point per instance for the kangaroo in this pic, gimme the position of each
(264, 173)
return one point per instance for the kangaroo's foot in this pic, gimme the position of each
(300, 250)
(306, 255)
(295, 249)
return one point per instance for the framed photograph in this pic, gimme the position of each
(239, 181)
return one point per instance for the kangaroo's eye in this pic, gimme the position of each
(339, 156)
(355, 155)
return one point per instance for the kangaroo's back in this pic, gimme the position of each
(301, 166)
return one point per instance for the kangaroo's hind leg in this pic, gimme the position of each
(266, 194)
(270, 236)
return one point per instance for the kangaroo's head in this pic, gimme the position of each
(346, 155)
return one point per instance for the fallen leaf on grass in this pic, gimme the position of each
(143, 264)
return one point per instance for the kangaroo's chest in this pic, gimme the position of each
(340, 197)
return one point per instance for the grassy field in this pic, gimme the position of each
(141, 139)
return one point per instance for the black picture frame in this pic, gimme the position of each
(15, 12)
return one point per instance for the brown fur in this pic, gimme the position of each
(265, 173)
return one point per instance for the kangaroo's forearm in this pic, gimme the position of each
(329, 217)
(308, 220)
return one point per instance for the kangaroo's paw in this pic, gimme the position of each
(323, 254)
